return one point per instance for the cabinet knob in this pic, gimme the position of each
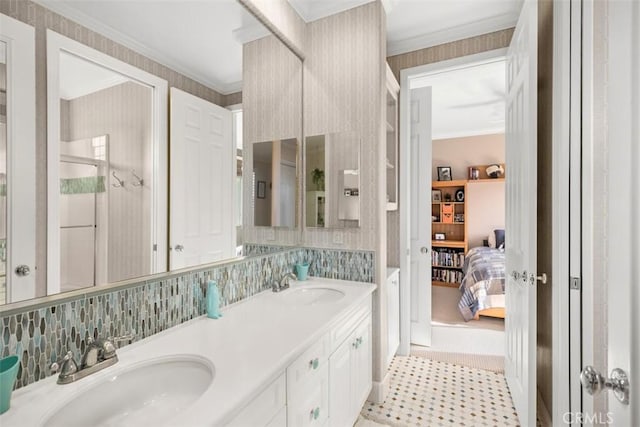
(314, 363)
(314, 414)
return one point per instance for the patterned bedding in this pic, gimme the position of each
(484, 277)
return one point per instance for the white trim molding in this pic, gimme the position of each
(478, 28)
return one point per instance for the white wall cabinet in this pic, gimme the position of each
(326, 385)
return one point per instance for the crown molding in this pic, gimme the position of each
(249, 33)
(460, 32)
(311, 11)
(129, 42)
(91, 88)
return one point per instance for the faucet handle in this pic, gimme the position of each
(66, 366)
(127, 338)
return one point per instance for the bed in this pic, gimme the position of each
(483, 284)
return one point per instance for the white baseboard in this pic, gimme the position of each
(380, 389)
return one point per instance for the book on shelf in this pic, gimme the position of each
(445, 275)
(446, 257)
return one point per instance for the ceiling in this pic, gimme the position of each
(203, 39)
(199, 39)
(416, 24)
(79, 77)
(467, 101)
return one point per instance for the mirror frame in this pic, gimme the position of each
(57, 44)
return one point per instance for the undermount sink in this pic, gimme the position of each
(145, 394)
(312, 296)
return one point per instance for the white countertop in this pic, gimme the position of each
(250, 346)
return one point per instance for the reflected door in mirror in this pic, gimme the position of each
(275, 177)
(203, 177)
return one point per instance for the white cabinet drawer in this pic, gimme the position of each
(262, 409)
(349, 323)
(310, 406)
(308, 365)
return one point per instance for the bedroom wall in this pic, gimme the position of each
(485, 210)
(460, 153)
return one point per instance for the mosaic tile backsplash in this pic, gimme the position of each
(44, 335)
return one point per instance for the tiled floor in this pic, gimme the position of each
(432, 393)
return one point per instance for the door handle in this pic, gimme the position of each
(179, 248)
(23, 270)
(424, 250)
(515, 275)
(593, 383)
(542, 279)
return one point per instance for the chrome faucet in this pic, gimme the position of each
(283, 284)
(99, 354)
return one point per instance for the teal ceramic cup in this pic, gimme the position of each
(302, 270)
(8, 373)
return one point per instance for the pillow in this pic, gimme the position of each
(492, 240)
(496, 239)
(499, 237)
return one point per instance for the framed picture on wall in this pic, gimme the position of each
(262, 188)
(436, 196)
(444, 173)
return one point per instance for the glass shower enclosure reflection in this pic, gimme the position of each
(83, 204)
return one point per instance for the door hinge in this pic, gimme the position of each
(575, 283)
(155, 247)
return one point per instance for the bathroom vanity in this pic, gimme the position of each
(293, 358)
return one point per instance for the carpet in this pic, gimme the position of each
(444, 311)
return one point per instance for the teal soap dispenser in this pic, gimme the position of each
(213, 300)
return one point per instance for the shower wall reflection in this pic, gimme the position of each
(106, 175)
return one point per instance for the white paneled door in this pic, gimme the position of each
(202, 228)
(420, 190)
(18, 125)
(521, 193)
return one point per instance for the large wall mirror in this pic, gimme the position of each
(113, 213)
(332, 177)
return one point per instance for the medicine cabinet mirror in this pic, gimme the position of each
(275, 176)
(332, 177)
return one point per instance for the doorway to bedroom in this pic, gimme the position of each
(466, 202)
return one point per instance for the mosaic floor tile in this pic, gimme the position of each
(428, 392)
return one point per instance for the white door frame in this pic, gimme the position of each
(610, 131)
(406, 76)
(565, 138)
(21, 136)
(57, 43)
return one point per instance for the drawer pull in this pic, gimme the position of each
(314, 363)
(314, 414)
